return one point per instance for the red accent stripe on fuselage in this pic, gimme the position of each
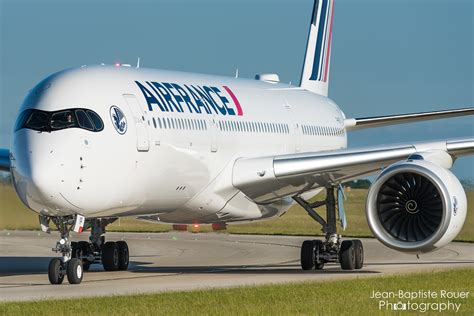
(236, 102)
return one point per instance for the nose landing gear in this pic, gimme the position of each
(315, 253)
(77, 257)
(65, 266)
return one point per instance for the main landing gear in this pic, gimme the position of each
(77, 257)
(316, 253)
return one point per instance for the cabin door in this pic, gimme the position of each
(143, 143)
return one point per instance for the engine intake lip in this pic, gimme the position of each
(422, 242)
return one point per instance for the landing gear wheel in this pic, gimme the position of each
(123, 257)
(110, 256)
(55, 271)
(347, 255)
(74, 271)
(318, 263)
(307, 255)
(359, 254)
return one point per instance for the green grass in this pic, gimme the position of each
(15, 216)
(348, 297)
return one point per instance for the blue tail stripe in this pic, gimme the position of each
(325, 43)
(315, 13)
(319, 42)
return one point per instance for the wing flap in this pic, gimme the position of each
(267, 179)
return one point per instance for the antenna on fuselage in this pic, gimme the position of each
(138, 62)
(236, 73)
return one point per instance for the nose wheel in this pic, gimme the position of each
(56, 271)
(72, 269)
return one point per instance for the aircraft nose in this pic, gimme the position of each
(41, 179)
(32, 176)
(37, 176)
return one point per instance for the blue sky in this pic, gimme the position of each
(388, 56)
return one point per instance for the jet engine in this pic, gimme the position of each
(416, 206)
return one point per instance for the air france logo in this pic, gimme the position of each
(118, 119)
(171, 97)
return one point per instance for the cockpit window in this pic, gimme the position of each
(84, 120)
(96, 120)
(63, 119)
(44, 121)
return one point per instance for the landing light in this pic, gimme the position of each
(196, 228)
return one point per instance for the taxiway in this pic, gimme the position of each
(178, 261)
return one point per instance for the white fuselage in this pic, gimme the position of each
(174, 160)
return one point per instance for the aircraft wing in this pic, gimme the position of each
(267, 179)
(353, 124)
(4, 160)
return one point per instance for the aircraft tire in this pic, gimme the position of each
(110, 256)
(359, 254)
(55, 271)
(307, 254)
(347, 256)
(74, 271)
(123, 255)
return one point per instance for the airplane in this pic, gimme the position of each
(96, 143)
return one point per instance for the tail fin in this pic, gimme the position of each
(315, 76)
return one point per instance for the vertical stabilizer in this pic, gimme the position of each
(315, 76)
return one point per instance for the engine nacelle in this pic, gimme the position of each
(416, 206)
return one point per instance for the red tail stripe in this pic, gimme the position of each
(328, 52)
